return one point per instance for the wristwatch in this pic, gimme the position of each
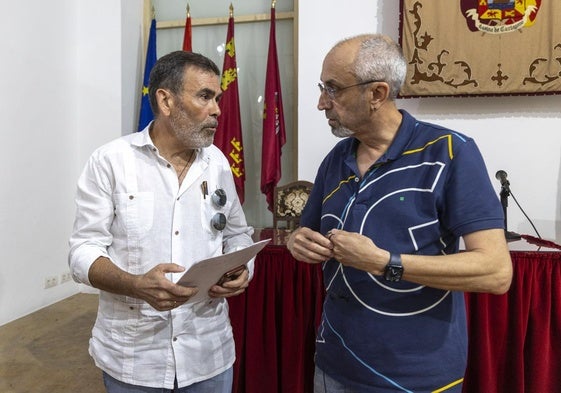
(394, 268)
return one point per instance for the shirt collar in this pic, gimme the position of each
(397, 147)
(143, 139)
(401, 140)
(402, 137)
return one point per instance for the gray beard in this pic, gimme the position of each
(342, 132)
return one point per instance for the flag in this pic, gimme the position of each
(146, 114)
(274, 135)
(228, 136)
(188, 35)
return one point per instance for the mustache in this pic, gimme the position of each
(212, 124)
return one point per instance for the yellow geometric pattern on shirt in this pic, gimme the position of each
(450, 385)
(447, 137)
(338, 188)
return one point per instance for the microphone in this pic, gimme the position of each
(505, 193)
(501, 176)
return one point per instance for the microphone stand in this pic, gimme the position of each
(505, 193)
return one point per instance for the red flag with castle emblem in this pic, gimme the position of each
(228, 136)
(274, 135)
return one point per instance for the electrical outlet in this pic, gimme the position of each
(51, 281)
(65, 277)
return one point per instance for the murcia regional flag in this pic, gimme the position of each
(228, 136)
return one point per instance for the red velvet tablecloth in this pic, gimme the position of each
(275, 321)
(515, 338)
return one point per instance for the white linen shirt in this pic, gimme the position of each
(131, 209)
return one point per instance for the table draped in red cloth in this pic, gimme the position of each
(515, 338)
(275, 323)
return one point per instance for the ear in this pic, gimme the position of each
(165, 101)
(380, 91)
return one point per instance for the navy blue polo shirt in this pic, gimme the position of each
(428, 189)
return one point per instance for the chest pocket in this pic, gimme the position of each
(215, 210)
(134, 210)
(134, 213)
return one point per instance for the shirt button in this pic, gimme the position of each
(177, 232)
(131, 197)
(168, 165)
(357, 179)
(175, 339)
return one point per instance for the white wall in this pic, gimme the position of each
(38, 112)
(62, 95)
(521, 135)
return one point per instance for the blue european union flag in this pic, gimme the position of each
(146, 114)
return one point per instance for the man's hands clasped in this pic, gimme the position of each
(348, 248)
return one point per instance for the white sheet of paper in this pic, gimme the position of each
(204, 274)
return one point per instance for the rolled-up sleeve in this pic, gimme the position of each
(94, 214)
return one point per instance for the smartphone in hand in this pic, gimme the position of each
(231, 275)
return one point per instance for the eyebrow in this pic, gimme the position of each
(207, 91)
(331, 83)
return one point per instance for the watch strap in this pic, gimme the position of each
(394, 269)
(395, 260)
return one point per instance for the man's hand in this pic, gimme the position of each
(153, 287)
(358, 251)
(231, 286)
(309, 246)
(158, 291)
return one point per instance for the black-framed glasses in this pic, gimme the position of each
(332, 91)
(219, 198)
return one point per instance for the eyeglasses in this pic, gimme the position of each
(219, 198)
(333, 91)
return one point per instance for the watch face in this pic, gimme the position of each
(393, 273)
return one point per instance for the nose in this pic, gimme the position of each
(215, 110)
(323, 102)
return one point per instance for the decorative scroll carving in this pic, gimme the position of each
(481, 47)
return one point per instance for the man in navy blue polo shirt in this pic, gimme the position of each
(385, 216)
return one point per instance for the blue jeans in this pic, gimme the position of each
(222, 383)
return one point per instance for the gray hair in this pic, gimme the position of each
(380, 58)
(169, 70)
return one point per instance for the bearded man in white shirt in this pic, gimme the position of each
(149, 205)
